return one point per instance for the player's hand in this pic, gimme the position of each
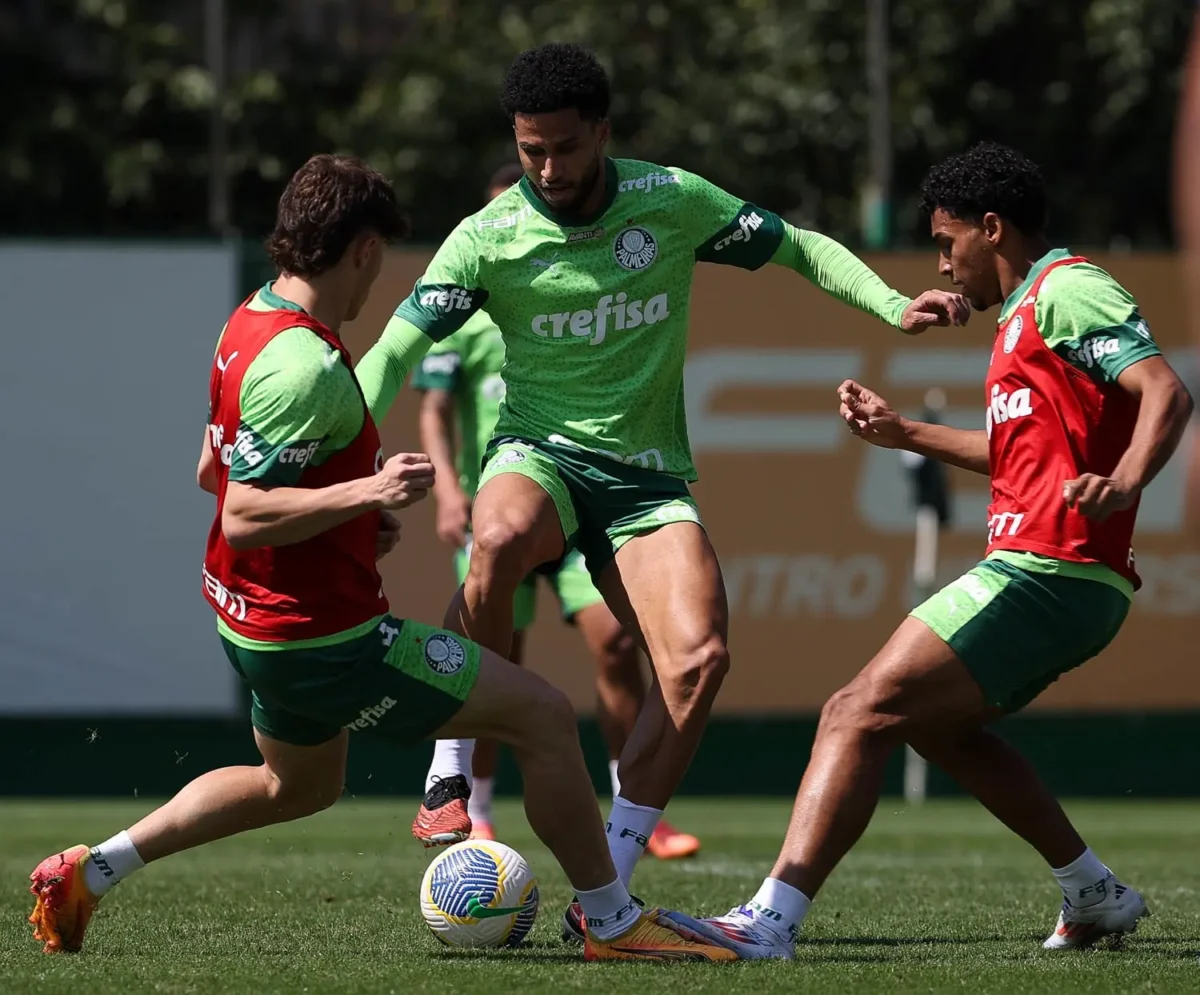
(935, 307)
(869, 416)
(1098, 497)
(388, 534)
(453, 517)
(405, 479)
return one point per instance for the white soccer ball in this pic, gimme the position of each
(479, 893)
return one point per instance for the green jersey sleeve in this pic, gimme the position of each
(452, 288)
(1092, 322)
(382, 371)
(840, 273)
(726, 229)
(299, 405)
(442, 367)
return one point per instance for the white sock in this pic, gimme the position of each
(782, 906)
(612, 773)
(1083, 880)
(479, 805)
(609, 910)
(111, 861)
(629, 828)
(450, 757)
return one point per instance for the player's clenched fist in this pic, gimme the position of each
(869, 416)
(405, 479)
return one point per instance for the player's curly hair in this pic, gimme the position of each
(988, 178)
(556, 77)
(329, 202)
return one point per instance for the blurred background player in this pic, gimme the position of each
(1083, 411)
(461, 390)
(586, 266)
(294, 459)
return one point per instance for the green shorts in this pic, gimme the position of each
(402, 680)
(570, 580)
(601, 503)
(1017, 631)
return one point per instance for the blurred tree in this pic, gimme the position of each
(109, 101)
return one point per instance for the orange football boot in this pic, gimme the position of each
(668, 843)
(64, 904)
(648, 939)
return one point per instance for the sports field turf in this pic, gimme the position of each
(934, 899)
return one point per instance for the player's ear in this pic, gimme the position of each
(603, 133)
(993, 227)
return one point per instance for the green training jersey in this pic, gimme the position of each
(594, 312)
(467, 365)
(1093, 323)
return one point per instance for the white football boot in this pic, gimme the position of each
(742, 930)
(1116, 914)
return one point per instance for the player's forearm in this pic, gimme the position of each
(1162, 418)
(956, 446)
(838, 271)
(382, 371)
(436, 428)
(254, 516)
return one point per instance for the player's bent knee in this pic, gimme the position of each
(297, 797)
(500, 554)
(859, 709)
(547, 721)
(702, 668)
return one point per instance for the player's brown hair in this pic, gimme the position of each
(329, 202)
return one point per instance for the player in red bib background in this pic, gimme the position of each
(1081, 412)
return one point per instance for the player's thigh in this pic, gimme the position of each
(1016, 632)
(513, 705)
(915, 682)
(522, 509)
(667, 586)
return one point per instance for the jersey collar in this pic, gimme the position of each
(611, 182)
(274, 301)
(1018, 295)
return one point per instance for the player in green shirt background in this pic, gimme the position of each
(461, 391)
(586, 266)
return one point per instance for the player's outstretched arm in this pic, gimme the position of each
(1164, 407)
(382, 371)
(871, 418)
(838, 271)
(255, 516)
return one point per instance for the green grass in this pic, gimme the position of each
(933, 899)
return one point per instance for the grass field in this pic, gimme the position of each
(934, 899)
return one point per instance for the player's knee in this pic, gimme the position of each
(499, 557)
(551, 719)
(701, 668)
(296, 797)
(616, 656)
(858, 709)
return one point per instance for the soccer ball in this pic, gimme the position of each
(479, 893)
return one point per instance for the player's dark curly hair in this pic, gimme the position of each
(329, 202)
(556, 77)
(988, 178)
